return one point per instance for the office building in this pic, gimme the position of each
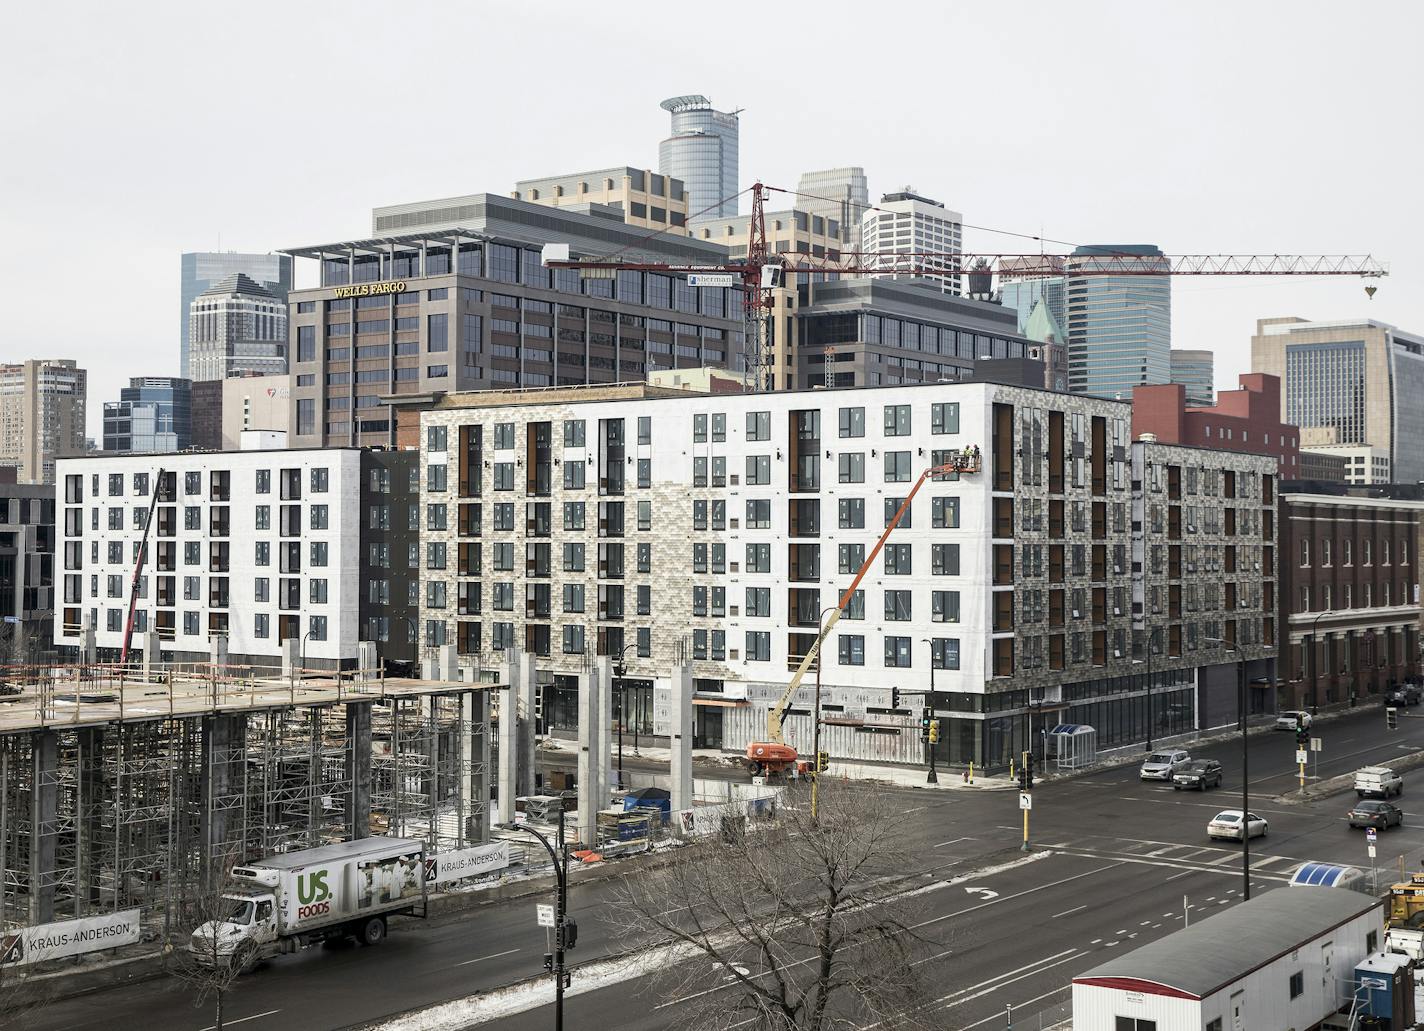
(1195, 370)
(702, 151)
(26, 568)
(636, 196)
(474, 307)
(841, 194)
(202, 269)
(1022, 291)
(208, 415)
(1119, 326)
(237, 328)
(1349, 595)
(1359, 464)
(255, 548)
(1361, 378)
(1318, 466)
(1245, 420)
(717, 528)
(42, 412)
(906, 230)
(877, 331)
(254, 403)
(152, 414)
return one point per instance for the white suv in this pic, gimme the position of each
(1291, 719)
(1161, 765)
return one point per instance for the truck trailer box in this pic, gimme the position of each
(342, 882)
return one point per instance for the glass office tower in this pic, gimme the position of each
(1119, 326)
(202, 269)
(153, 414)
(702, 152)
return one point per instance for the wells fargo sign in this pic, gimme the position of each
(371, 289)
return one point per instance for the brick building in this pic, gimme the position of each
(1349, 596)
(1248, 420)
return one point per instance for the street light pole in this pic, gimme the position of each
(933, 777)
(620, 672)
(1315, 664)
(1150, 713)
(816, 721)
(560, 860)
(1245, 768)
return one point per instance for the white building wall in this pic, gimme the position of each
(342, 537)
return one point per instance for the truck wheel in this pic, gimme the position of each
(244, 961)
(373, 931)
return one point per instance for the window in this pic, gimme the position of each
(504, 476)
(436, 477)
(892, 505)
(897, 467)
(317, 593)
(758, 425)
(1297, 984)
(944, 513)
(897, 606)
(573, 597)
(758, 470)
(944, 559)
(758, 514)
(699, 428)
(852, 513)
(261, 589)
(852, 648)
(944, 418)
(318, 553)
(573, 639)
(1138, 1024)
(852, 466)
(264, 554)
(435, 555)
(504, 436)
(758, 646)
(719, 427)
(897, 420)
(319, 517)
(319, 481)
(316, 628)
(574, 433)
(574, 476)
(852, 422)
(758, 558)
(645, 429)
(897, 652)
(574, 515)
(944, 606)
(850, 557)
(944, 652)
(264, 481)
(897, 559)
(758, 601)
(260, 625)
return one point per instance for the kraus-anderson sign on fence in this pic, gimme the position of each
(69, 938)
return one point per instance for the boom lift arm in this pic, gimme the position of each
(138, 567)
(775, 749)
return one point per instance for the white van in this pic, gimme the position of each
(1378, 782)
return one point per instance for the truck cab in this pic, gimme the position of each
(249, 923)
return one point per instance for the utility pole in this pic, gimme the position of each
(565, 929)
(931, 735)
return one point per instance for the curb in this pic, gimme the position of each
(1345, 781)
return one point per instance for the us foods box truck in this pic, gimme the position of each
(288, 902)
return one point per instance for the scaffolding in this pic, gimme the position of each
(120, 791)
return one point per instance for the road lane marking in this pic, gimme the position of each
(1015, 895)
(1268, 861)
(240, 1020)
(1171, 865)
(1228, 858)
(1066, 912)
(952, 841)
(1027, 1002)
(496, 955)
(1002, 984)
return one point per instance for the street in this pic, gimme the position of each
(1124, 857)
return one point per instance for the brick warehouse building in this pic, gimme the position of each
(1349, 596)
(1247, 420)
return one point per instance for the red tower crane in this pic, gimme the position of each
(760, 271)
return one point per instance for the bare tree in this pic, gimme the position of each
(800, 926)
(202, 962)
(19, 993)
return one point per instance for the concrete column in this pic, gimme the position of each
(44, 812)
(508, 737)
(217, 653)
(358, 769)
(525, 754)
(152, 656)
(604, 665)
(474, 764)
(90, 806)
(680, 736)
(590, 763)
(88, 646)
(291, 659)
(368, 662)
(444, 665)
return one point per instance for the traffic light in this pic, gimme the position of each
(934, 732)
(823, 761)
(1391, 714)
(1302, 738)
(570, 933)
(925, 724)
(894, 698)
(1023, 778)
(1028, 771)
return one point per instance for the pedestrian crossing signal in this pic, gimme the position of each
(823, 761)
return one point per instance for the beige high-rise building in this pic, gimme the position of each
(42, 409)
(638, 196)
(1358, 378)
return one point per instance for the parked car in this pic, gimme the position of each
(1378, 782)
(1226, 826)
(1162, 765)
(1199, 773)
(1292, 719)
(1404, 694)
(1380, 815)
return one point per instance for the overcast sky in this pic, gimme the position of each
(133, 133)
